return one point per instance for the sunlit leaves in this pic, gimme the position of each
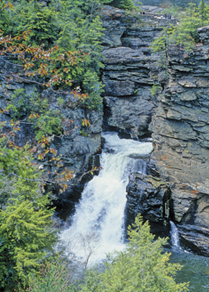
(86, 123)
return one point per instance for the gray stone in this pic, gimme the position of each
(148, 196)
(119, 88)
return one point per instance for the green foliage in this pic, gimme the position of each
(93, 87)
(48, 124)
(141, 267)
(19, 104)
(155, 89)
(55, 276)
(203, 11)
(123, 4)
(5, 18)
(70, 26)
(35, 109)
(81, 30)
(184, 33)
(34, 17)
(173, 10)
(25, 232)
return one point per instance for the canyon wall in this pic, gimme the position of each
(130, 68)
(180, 129)
(177, 118)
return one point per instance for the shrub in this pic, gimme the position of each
(26, 236)
(142, 267)
(123, 4)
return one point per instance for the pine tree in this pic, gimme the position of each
(142, 267)
(184, 33)
(202, 11)
(26, 236)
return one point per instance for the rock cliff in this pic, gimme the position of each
(180, 129)
(179, 120)
(130, 68)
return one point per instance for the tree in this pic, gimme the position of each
(202, 11)
(142, 267)
(55, 276)
(184, 33)
(26, 236)
(123, 4)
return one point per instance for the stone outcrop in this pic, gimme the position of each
(180, 129)
(180, 124)
(195, 237)
(129, 68)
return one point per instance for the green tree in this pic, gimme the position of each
(123, 4)
(142, 267)
(203, 11)
(55, 276)
(184, 33)
(26, 236)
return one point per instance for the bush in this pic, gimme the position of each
(123, 4)
(26, 236)
(184, 33)
(142, 267)
(54, 276)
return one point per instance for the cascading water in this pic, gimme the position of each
(98, 223)
(174, 236)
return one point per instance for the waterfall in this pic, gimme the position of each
(98, 223)
(174, 236)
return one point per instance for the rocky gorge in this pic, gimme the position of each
(176, 117)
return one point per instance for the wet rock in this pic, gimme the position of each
(132, 115)
(149, 196)
(204, 34)
(119, 88)
(195, 237)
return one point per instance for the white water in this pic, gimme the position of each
(174, 236)
(98, 223)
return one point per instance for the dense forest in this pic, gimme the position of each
(57, 45)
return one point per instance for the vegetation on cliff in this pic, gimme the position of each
(184, 33)
(26, 235)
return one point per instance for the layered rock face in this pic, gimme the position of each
(180, 125)
(180, 129)
(130, 68)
